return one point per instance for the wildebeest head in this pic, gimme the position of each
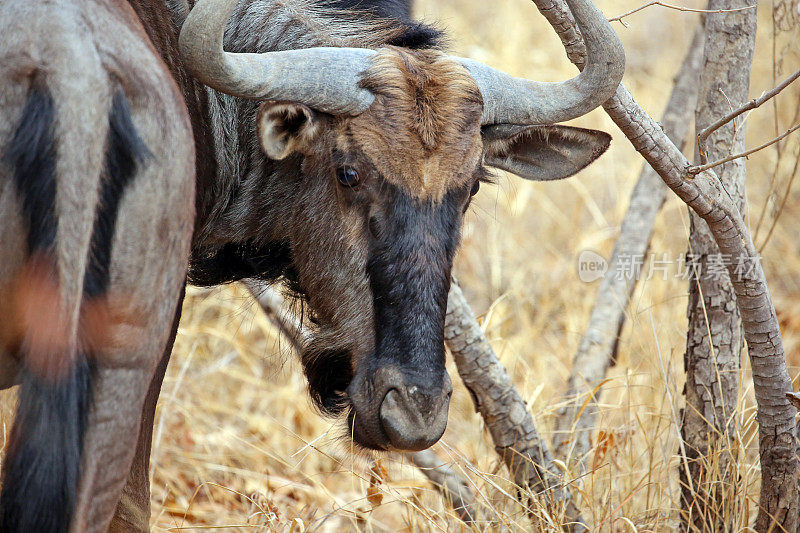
(392, 144)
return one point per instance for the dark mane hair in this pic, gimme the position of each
(414, 34)
(390, 9)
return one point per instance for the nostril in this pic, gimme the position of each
(410, 420)
(392, 400)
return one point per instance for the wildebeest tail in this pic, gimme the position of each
(43, 461)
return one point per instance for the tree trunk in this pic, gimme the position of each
(703, 192)
(597, 351)
(714, 340)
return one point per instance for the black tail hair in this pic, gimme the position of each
(42, 467)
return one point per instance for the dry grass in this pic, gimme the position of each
(239, 447)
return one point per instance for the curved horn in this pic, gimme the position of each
(323, 78)
(510, 100)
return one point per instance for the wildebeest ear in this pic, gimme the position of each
(286, 127)
(542, 153)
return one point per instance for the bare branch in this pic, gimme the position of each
(702, 137)
(677, 8)
(596, 353)
(701, 168)
(776, 166)
(794, 397)
(779, 504)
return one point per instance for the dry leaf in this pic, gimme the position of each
(605, 443)
(377, 475)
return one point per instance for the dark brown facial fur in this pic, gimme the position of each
(422, 133)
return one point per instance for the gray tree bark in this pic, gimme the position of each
(454, 488)
(597, 351)
(779, 504)
(511, 426)
(714, 339)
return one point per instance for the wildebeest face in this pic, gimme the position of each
(391, 142)
(380, 210)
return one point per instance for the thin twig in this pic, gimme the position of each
(702, 137)
(677, 8)
(775, 168)
(694, 170)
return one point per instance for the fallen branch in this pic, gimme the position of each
(779, 503)
(597, 351)
(453, 487)
(511, 426)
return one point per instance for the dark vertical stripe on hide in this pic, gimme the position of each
(42, 466)
(125, 150)
(409, 272)
(41, 470)
(32, 155)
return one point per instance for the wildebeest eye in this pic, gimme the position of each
(475, 188)
(348, 177)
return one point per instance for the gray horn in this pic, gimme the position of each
(323, 78)
(510, 100)
(328, 79)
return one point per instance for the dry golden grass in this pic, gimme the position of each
(238, 446)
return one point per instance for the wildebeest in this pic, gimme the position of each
(333, 150)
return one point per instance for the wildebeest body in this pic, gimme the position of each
(95, 226)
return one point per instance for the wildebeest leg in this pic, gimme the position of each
(147, 252)
(133, 509)
(123, 385)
